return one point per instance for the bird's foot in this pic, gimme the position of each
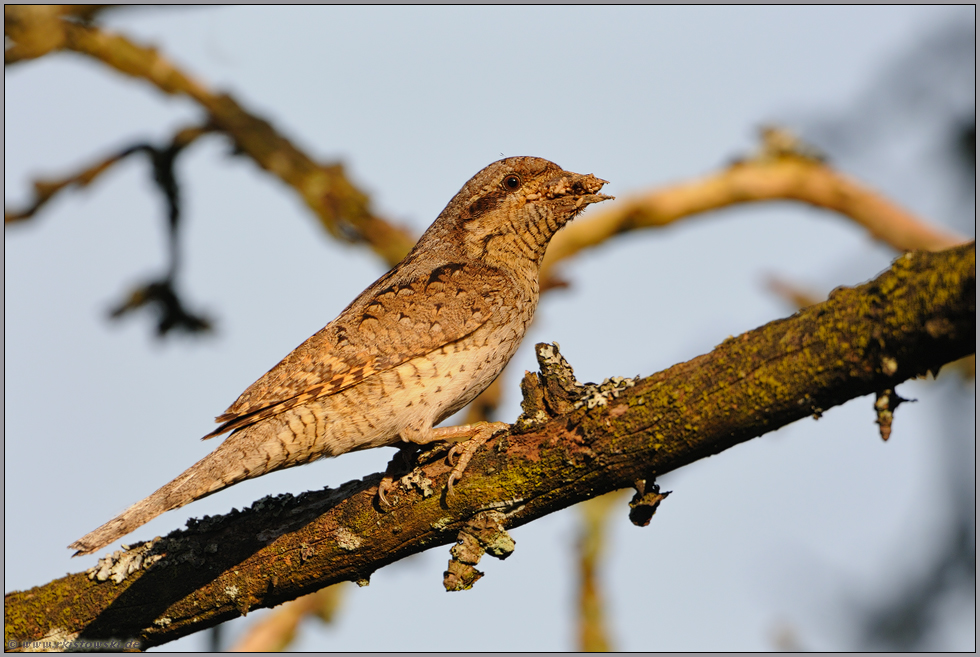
(478, 434)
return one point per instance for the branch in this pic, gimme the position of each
(341, 207)
(45, 190)
(161, 292)
(32, 31)
(785, 169)
(771, 176)
(911, 320)
(593, 630)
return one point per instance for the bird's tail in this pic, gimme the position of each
(242, 455)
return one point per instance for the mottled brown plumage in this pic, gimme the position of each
(410, 351)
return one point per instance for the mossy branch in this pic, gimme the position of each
(910, 320)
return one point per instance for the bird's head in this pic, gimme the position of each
(508, 212)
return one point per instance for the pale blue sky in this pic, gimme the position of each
(773, 534)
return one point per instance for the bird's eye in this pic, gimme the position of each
(512, 182)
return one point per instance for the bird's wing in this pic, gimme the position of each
(383, 328)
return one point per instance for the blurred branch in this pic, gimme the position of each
(341, 207)
(172, 312)
(593, 633)
(45, 190)
(159, 293)
(276, 631)
(794, 295)
(484, 407)
(910, 320)
(782, 171)
(32, 31)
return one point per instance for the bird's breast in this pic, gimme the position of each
(430, 388)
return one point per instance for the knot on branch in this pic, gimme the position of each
(645, 502)
(483, 533)
(886, 402)
(555, 390)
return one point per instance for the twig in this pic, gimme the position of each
(45, 190)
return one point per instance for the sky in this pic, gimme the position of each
(780, 537)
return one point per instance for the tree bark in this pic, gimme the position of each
(912, 319)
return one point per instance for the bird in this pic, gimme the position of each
(412, 349)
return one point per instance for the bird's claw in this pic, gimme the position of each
(386, 486)
(465, 450)
(451, 454)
